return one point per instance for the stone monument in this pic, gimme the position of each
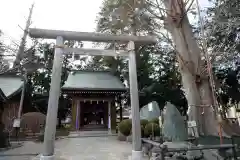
(175, 135)
(150, 111)
(174, 127)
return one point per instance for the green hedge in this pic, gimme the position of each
(147, 127)
(155, 120)
(125, 127)
(144, 122)
(152, 129)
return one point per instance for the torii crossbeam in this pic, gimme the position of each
(89, 36)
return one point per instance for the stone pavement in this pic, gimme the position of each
(28, 151)
(93, 148)
(81, 148)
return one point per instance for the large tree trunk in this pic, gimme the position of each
(192, 68)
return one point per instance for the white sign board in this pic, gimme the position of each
(16, 123)
(160, 121)
(192, 129)
(192, 124)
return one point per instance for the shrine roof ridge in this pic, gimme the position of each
(93, 79)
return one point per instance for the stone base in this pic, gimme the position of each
(136, 155)
(121, 137)
(129, 139)
(112, 132)
(46, 157)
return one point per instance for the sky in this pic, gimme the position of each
(75, 15)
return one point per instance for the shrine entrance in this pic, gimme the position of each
(94, 115)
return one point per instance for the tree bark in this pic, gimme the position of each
(193, 70)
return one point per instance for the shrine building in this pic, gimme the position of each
(95, 95)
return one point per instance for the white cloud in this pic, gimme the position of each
(76, 15)
(204, 3)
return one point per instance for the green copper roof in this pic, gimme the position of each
(93, 80)
(10, 84)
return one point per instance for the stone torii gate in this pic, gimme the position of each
(60, 50)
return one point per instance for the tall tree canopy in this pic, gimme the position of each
(156, 64)
(39, 81)
(223, 30)
(222, 27)
(42, 77)
(4, 65)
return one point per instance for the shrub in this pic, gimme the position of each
(125, 127)
(155, 120)
(144, 122)
(33, 121)
(152, 129)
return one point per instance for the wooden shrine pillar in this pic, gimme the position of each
(119, 104)
(76, 113)
(120, 112)
(109, 117)
(113, 117)
(73, 110)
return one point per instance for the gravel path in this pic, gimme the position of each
(93, 148)
(28, 151)
(83, 148)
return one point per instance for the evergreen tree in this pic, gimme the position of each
(223, 30)
(222, 26)
(156, 66)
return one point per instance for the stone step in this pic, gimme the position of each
(90, 134)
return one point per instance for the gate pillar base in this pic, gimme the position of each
(136, 155)
(42, 157)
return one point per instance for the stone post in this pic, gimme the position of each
(136, 127)
(51, 121)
